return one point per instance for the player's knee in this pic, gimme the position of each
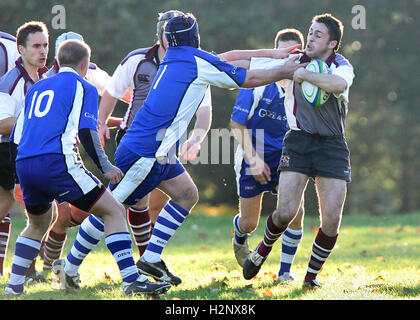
(189, 195)
(282, 218)
(248, 226)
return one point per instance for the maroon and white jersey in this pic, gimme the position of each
(8, 53)
(137, 72)
(13, 87)
(95, 75)
(327, 120)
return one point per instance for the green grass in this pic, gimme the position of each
(376, 257)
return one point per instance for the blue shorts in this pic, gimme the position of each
(247, 186)
(50, 177)
(141, 175)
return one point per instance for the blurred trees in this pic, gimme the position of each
(383, 124)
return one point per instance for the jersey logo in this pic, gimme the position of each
(284, 160)
(143, 77)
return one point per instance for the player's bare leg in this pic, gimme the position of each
(157, 201)
(244, 223)
(184, 195)
(332, 194)
(290, 192)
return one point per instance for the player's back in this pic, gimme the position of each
(53, 110)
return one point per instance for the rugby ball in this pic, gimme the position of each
(312, 94)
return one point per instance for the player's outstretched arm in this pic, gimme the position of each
(235, 55)
(106, 107)
(328, 82)
(259, 77)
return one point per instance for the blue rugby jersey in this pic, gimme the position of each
(55, 110)
(177, 91)
(262, 108)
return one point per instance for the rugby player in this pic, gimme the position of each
(8, 56)
(32, 45)
(315, 147)
(136, 73)
(259, 123)
(67, 215)
(49, 168)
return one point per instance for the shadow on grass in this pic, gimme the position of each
(220, 290)
(402, 291)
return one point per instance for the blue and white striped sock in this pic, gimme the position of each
(25, 252)
(90, 233)
(240, 237)
(168, 221)
(290, 242)
(119, 244)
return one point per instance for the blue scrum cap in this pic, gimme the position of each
(182, 31)
(66, 36)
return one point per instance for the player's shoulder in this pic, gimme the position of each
(136, 55)
(339, 60)
(207, 55)
(88, 87)
(9, 80)
(7, 37)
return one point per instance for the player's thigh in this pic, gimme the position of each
(250, 210)
(290, 192)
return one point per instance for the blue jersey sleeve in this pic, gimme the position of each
(242, 106)
(89, 114)
(219, 73)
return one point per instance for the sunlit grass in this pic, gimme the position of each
(375, 258)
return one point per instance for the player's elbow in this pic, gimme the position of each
(339, 86)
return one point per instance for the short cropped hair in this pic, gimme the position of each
(164, 17)
(25, 30)
(289, 34)
(72, 52)
(335, 27)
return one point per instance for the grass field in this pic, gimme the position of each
(375, 258)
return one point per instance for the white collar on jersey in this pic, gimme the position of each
(67, 69)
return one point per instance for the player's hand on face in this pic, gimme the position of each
(189, 150)
(284, 52)
(260, 170)
(114, 175)
(103, 132)
(292, 65)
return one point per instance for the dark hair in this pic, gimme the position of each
(289, 34)
(72, 52)
(28, 28)
(335, 27)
